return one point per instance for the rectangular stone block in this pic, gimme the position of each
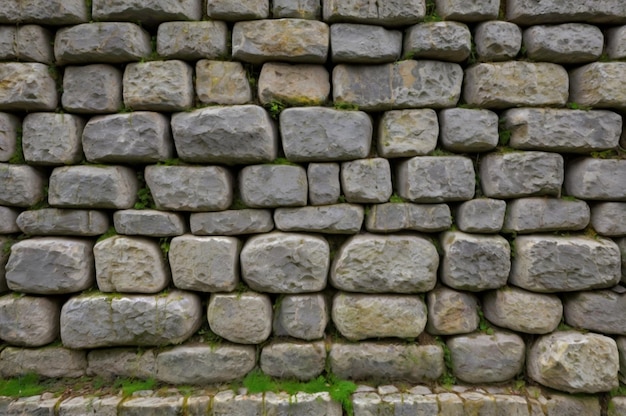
(136, 406)
(531, 12)
(110, 363)
(78, 406)
(21, 185)
(599, 84)
(158, 86)
(301, 9)
(329, 219)
(29, 321)
(392, 217)
(443, 41)
(232, 222)
(148, 13)
(9, 125)
(554, 43)
(596, 179)
(53, 221)
(244, 318)
(293, 85)
(192, 40)
(609, 219)
(53, 362)
(365, 44)
(497, 40)
(468, 11)
(8, 48)
(235, 11)
(222, 82)
(366, 180)
(389, 13)
(27, 87)
(92, 89)
(52, 12)
(406, 133)
(33, 43)
(481, 215)
(302, 316)
(8, 224)
(52, 139)
(269, 186)
(616, 42)
(324, 185)
(149, 222)
(528, 215)
(468, 130)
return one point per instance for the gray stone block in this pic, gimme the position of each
(515, 84)
(435, 179)
(244, 318)
(52, 362)
(383, 264)
(554, 361)
(451, 312)
(302, 404)
(293, 360)
(324, 185)
(190, 188)
(322, 134)
(293, 85)
(205, 264)
(366, 180)
(364, 44)
(561, 404)
(93, 88)
(396, 13)
(110, 363)
(407, 403)
(328, 219)
(301, 9)
(231, 135)
(468, 11)
(404, 84)
(609, 219)
(72, 187)
(598, 311)
(232, 222)
(233, 12)
(50, 266)
(104, 406)
(519, 174)
(497, 41)
(9, 125)
(474, 402)
(529, 215)
(53, 221)
(224, 83)
(8, 50)
(301, 316)
(139, 137)
(148, 222)
(148, 13)
(8, 222)
(529, 12)
(33, 404)
(406, 133)
(596, 179)
(101, 42)
(138, 406)
(29, 321)
(228, 402)
(396, 216)
(267, 186)
(482, 215)
(616, 42)
(599, 85)
(33, 43)
(52, 139)
(571, 43)
(468, 130)
(97, 320)
(474, 262)
(285, 263)
(617, 406)
(192, 40)
(21, 185)
(442, 41)
(53, 12)
(564, 264)
(27, 87)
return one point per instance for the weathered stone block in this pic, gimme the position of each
(560, 404)
(149, 222)
(53, 221)
(407, 403)
(52, 362)
(293, 85)
(192, 40)
(229, 403)
(468, 11)
(514, 84)
(148, 13)
(616, 42)
(301, 403)
(230, 135)
(468, 130)
(53, 12)
(8, 47)
(21, 185)
(52, 139)
(483, 215)
(224, 83)
(244, 318)
(404, 84)
(301, 316)
(609, 218)
(443, 41)
(554, 360)
(285, 263)
(137, 406)
(190, 188)
(364, 44)
(33, 43)
(529, 12)
(205, 264)
(599, 84)
(497, 41)
(564, 264)
(528, 215)
(267, 186)
(324, 185)
(232, 222)
(9, 125)
(229, 11)
(366, 180)
(451, 312)
(396, 13)
(8, 223)
(29, 321)
(301, 9)
(73, 187)
(435, 179)
(101, 42)
(474, 262)
(158, 86)
(598, 311)
(110, 363)
(406, 133)
(381, 264)
(571, 43)
(617, 406)
(596, 179)
(27, 87)
(79, 405)
(328, 219)
(293, 360)
(33, 404)
(107, 320)
(392, 217)
(93, 88)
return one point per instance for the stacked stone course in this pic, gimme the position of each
(402, 191)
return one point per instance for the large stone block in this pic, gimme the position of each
(231, 222)
(228, 402)
(301, 316)
(234, 11)
(596, 179)
(406, 133)
(52, 362)
(9, 125)
(392, 13)
(231, 135)
(29, 321)
(285, 263)
(27, 87)
(49, 266)
(293, 360)
(364, 44)
(149, 222)
(190, 188)
(105, 406)
(564, 264)
(514, 84)
(110, 363)
(327, 219)
(192, 40)
(571, 43)
(33, 43)
(616, 42)
(53, 221)
(93, 88)
(222, 82)
(158, 86)
(599, 84)
(244, 318)
(382, 264)
(482, 215)
(302, 9)
(598, 311)
(468, 11)
(529, 215)
(530, 12)
(396, 216)
(442, 41)
(21, 185)
(73, 187)
(366, 180)
(147, 12)
(267, 186)
(95, 320)
(324, 185)
(52, 139)
(451, 312)
(609, 218)
(497, 41)
(404, 84)
(468, 130)
(53, 12)
(293, 85)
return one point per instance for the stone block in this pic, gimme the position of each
(52, 139)
(324, 185)
(364, 44)
(497, 41)
(521, 311)
(302, 404)
(395, 216)
(49, 266)
(529, 12)
(205, 264)
(435, 179)
(285, 263)
(226, 135)
(508, 404)
(33, 43)
(52, 362)
(293, 85)
(403, 84)
(232, 222)
(149, 222)
(192, 40)
(598, 311)
(519, 174)
(93, 88)
(596, 179)
(442, 41)
(190, 188)
(9, 125)
(233, 12)
(203, 364)
(599, 85)
(474, 262)
(130, 265)
(301, 316)
(80, 405)
(293, 360)
(21, 185)
(29, 321)
(407, 403)
(95, 320)
(570, 43)
(53, 221)
(8, 47)
(158, 86)
(328, 219)
(224, 83)
(407, 133)
(475, 402)
(27, 87)
(139, 137)
(53, 12)
(401, 362)
(138, 406)
(467, 130)
(111, 363)
(301, 9)
(382, 264)
(561, 404)
(451, 312)
(322, 134)
(482, 215)
(468, 11)
(33, 405)
(366, 180)
(554, 361)
(227, 402)
(73, 186)
(564, 264)
(148, 13)
(514, 84)
(244, 318)
(396, 13)
(529, 215)
(609, 218)
(617, 406)
(268, 186)
(8, 222)
(115, 42)
(450, 404)
(616, 42)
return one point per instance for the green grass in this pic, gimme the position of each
(340, 105)
(24, 386)
(18, 157)
(109, 233)
(129, 386)
(395, 198)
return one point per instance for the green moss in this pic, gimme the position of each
(395, 198)
(431, 12)
(18, 156)
(109, 233)
(447, 379)
(341, 105)
(23, 386)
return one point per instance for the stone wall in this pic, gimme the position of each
(402, 191)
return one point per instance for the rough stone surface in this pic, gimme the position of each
(148, 222)
(555, 361)
(621, 347)
(564, 264)
(244, 318)
(29, 321)
(598, 311)
(301, 316)
(148, 12)
(617, 406)
(9, 125)
(33, 43)
(528, 215)
(80, 405)
(107, 320)
(229, 11)
(192, 40)
(596, 179)
(393, 13)
(381, 264)
(406, 133)
(110, 363)
(395, 216)
(8, 222)
(599, 84)
(293, 360)
(301, 9)
(53, 12)
(497, 41)
(190, 188)
(130, 265)
(514, 84)
(232, 222)
(294, 85)
(328, 219)
(468, 130)
(49, 266)
(53, 362)
(21, 185)
(483, 215)
(229, 403)
(451, 312)
(138, 406)
(359, 316)
(27, 86)
(93, 88)
(220, 82)
(366, 180)
(529, 12)
(285, 263)
(324, 185)
(522, 311)
(561, 404)
(474, 262)
(302, 404)
(571, 43)
(468, 11)
(443, 41)
(364, 44)
(52, 139)
(609, 218)
(53, 221)
(616, 42)
(267, 186)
